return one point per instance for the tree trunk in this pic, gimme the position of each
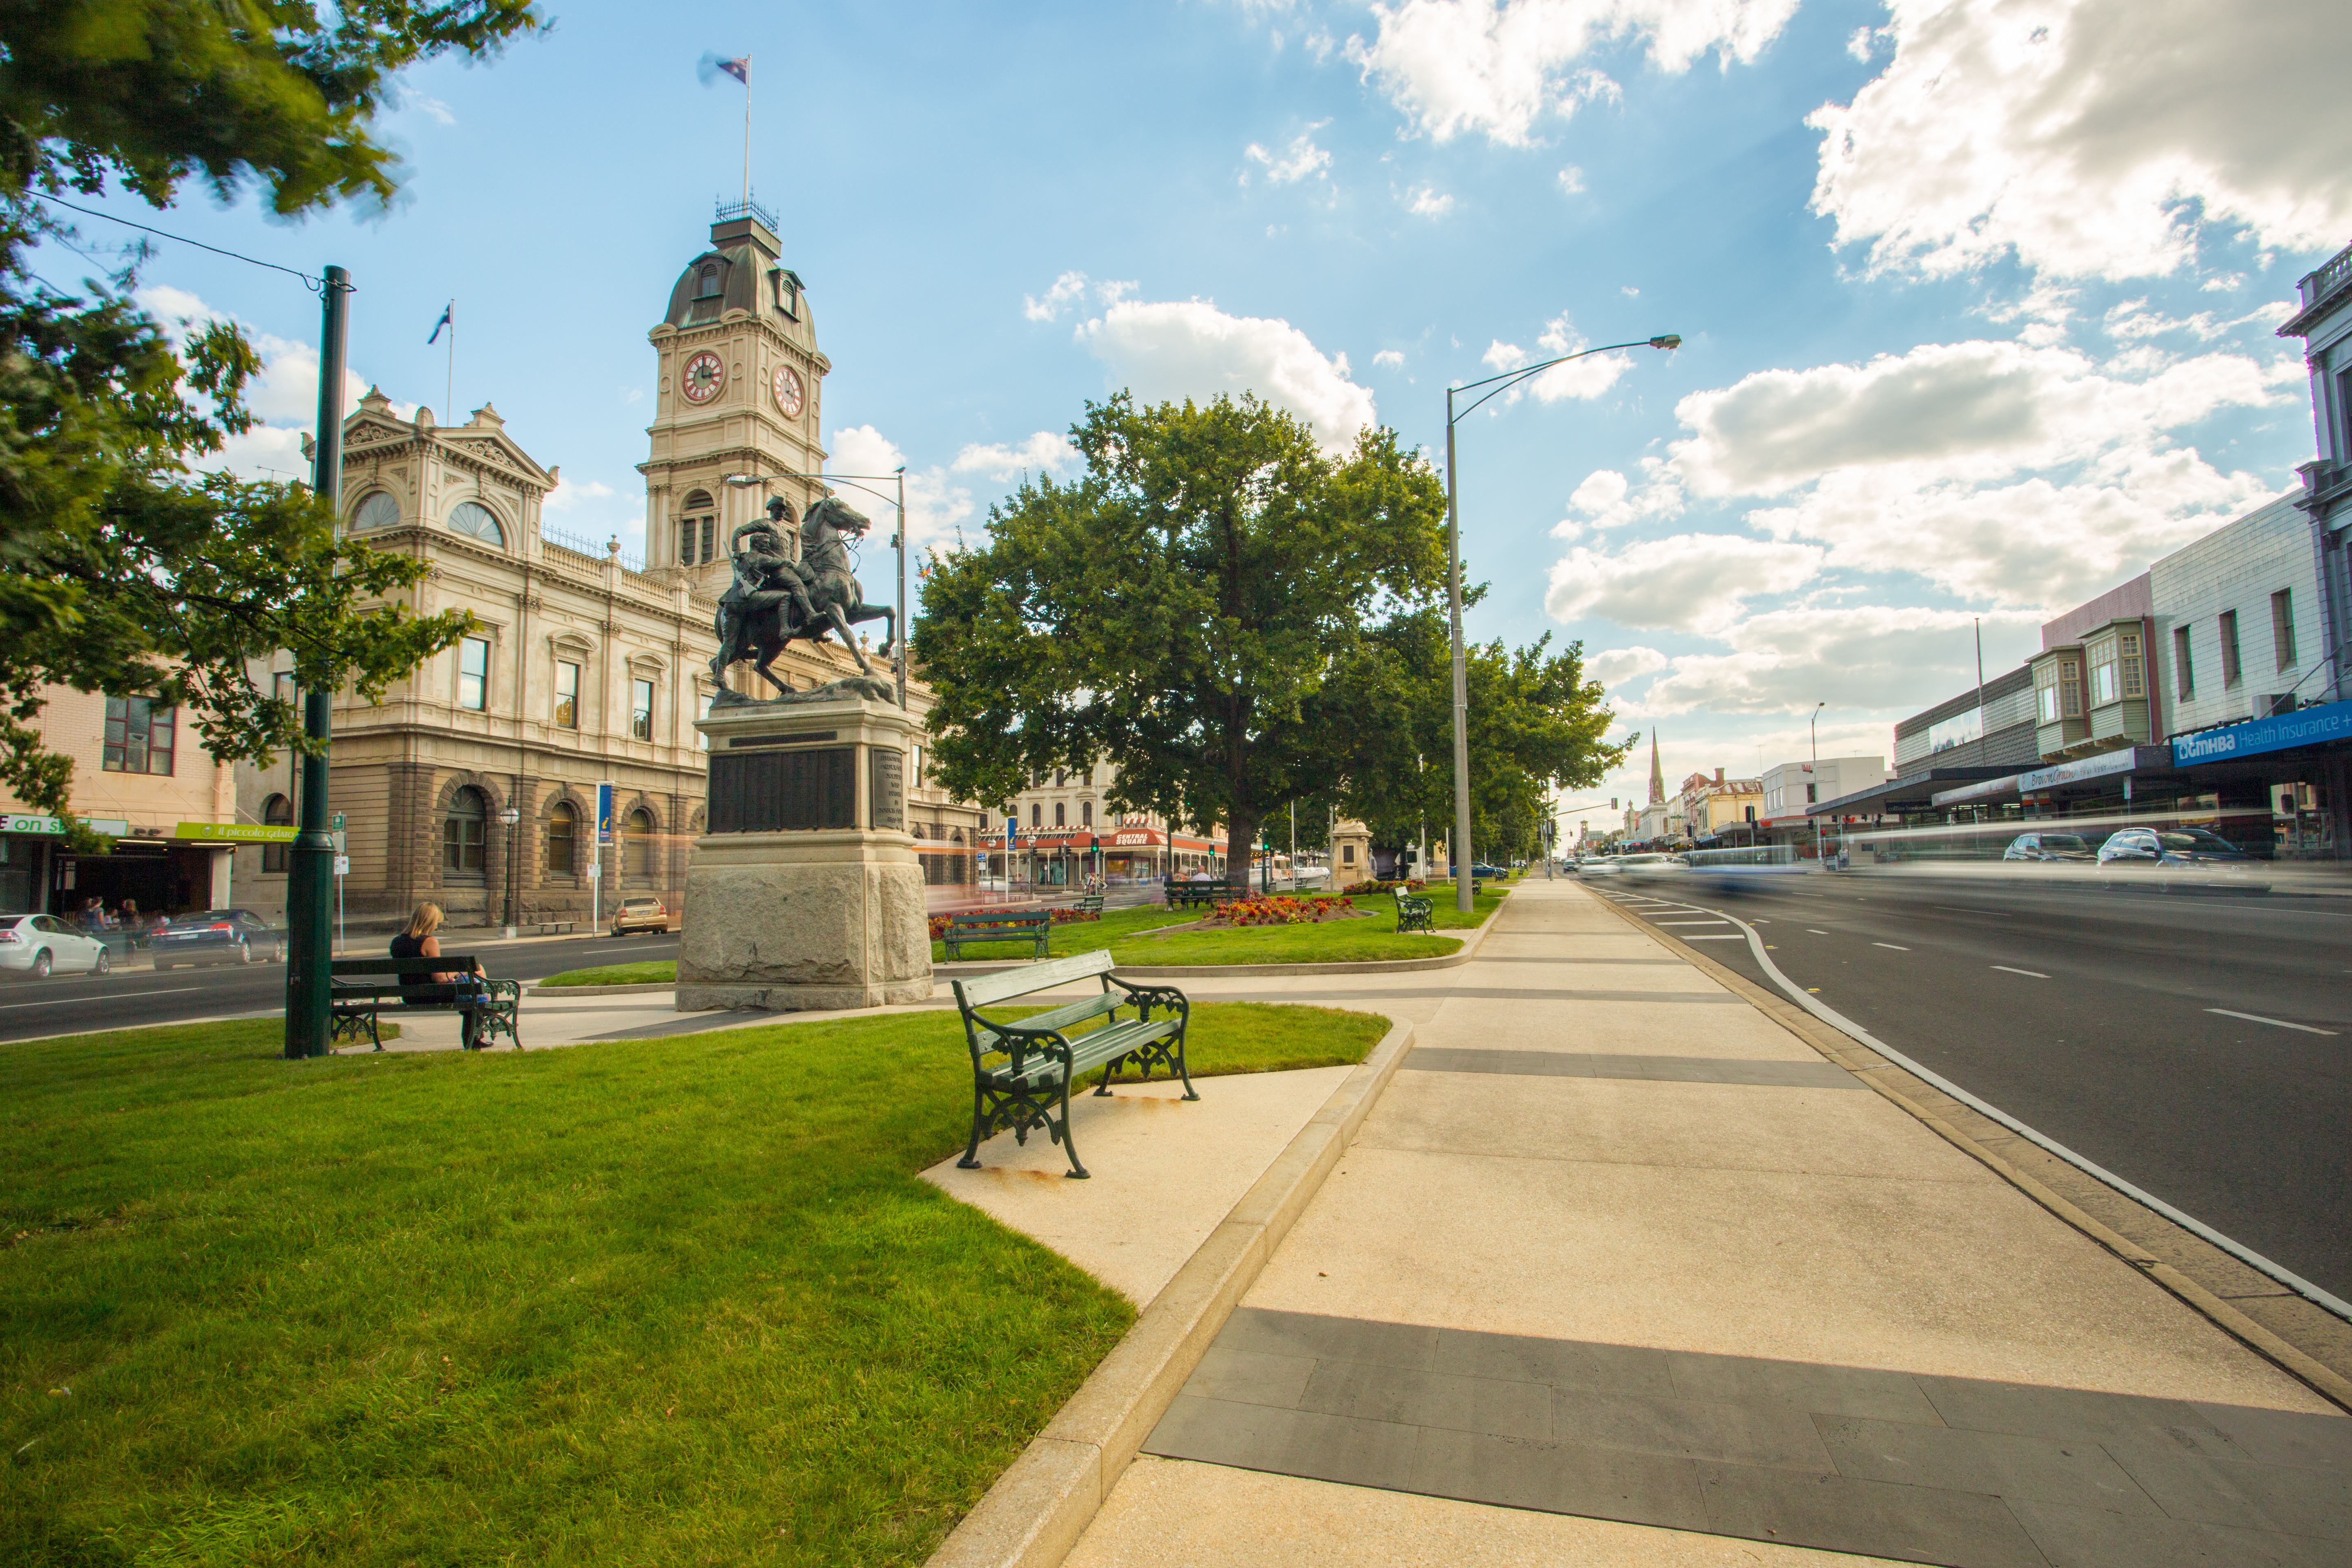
(1241, 838)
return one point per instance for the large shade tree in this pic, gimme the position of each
(1239, 622)
(122, 568)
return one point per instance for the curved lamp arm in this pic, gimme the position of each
(1510, 378)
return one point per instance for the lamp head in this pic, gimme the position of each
(743, 482)
(1667, 341)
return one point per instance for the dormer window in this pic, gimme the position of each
(708, 286)
(788, 294)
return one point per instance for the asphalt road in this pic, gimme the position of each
(135, 994)
(2200, 1047)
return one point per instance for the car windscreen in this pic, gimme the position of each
(2198, 839)
(2063, 841)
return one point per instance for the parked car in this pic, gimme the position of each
(39, 945)
(217, 936)
(640, 914)
(1482, 872)
(2170, 847)
(2070, 847)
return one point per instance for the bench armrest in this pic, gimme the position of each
(1023, 1039)
(1147, 997)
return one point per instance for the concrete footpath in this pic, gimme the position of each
(1619, 1271)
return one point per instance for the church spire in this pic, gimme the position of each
(1657, 774)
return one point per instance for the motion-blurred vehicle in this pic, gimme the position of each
(2170, 847)
(640, 914)
(2048, 848)
(217, 936)
(38, 946)
(1654, 864)
(1598, 866)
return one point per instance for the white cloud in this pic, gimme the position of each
(1046, 451)
(1389, 359)
(437, 109)
(2092, 138)
(1428, 201)
(1572, 180)
(1877, 657)
(1068, 290)
(1685, 583)
(284, 396)
(1168, 350)
(568, 494)
(934, 505)
(1476, 64)
(1614, 666)
(1300, 160)
(1581, 378)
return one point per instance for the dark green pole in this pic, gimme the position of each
(309, 882)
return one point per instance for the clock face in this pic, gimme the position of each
(790, 395)
(704, 375)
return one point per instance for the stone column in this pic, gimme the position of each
(805, 891)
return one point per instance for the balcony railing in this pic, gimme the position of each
(2319, 284)
(597, 553)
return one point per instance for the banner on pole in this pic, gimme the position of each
(604, 815)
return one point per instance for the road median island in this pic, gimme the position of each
(2299, 1339)
(677, 1299)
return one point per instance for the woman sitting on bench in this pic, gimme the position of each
(418, 941)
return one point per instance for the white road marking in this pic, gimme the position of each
(114, 996)
(2274, 1022)
(1662, 924)
(1735, 936)
(1890, 945)
(1817, 932)
(2035, 973)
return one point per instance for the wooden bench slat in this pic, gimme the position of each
(982, 989)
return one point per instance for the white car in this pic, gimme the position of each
(39, 945)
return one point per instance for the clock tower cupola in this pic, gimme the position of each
(738, 378)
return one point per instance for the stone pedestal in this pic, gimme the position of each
(805, 891)
(1351, 855)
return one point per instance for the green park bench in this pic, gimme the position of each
(1092, 904)
(360, 988)
(1413, 911)
(999, 925)
(1021, 1071)
(1219, 891)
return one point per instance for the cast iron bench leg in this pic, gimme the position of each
(1069, 1140)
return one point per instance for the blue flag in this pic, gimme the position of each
(443, 322)
(711, 66)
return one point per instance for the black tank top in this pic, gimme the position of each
(407, 946)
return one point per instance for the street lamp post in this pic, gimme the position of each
(1813, 723)
(900, 620)
(509, 817)
(1494, 383)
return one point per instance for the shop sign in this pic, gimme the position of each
(2304, 727)
(2098, 767)
(1982, 790)
(235, 832)
(23, 822)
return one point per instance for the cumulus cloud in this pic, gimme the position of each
(1299, 160)
(1692, 583)
(1875, 657)
(934, 504)
(283, 397)
(2092, 138)
(1068, 290)
(1428, 201)
(1046, 451)
(2006, 472)
(1453, 66)
(1572, 180)
(1614, 666)
(1582, 378)
(1170, 349)
(570, 493)
(1389, 359)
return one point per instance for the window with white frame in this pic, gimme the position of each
(2282, 629)
(567, 694)
(641, 709)
(473, 673)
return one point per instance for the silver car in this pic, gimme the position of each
(41, 945)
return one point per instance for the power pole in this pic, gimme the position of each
(310, 864)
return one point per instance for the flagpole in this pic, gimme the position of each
(747, 130)
(449, 381)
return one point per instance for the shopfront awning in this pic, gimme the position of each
(1914, 791)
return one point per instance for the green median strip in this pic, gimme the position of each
(643, 1302)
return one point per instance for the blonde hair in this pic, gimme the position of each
(426, 920)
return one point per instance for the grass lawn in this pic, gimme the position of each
(675, 1301)
(657, 971)
(1076, 936)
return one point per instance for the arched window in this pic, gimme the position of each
(1086, 814)
(697, 528)
(708, 286)
(562, 840)
(1037, 815)
(461, 836)
(378, 510)
(472, 517)
(1061, 816)
(637, 847)
(276, 812)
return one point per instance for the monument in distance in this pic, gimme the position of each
(805, 889)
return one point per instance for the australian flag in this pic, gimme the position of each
(712, 65)
(443, 322)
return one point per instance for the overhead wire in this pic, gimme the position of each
(314, 284)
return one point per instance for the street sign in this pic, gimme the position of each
(343, 865)
(336, 822)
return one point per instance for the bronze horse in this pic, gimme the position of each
(761, 614)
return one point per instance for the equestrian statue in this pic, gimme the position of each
(776, 601)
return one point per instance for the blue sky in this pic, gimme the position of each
(1977, 299)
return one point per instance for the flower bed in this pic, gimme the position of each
(1411, 885)
(1061, 917)
(1279, 909)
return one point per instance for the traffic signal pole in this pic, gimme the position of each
(311, 865)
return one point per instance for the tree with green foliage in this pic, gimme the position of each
(122, 568)
(1238, 621)
(1182, 610)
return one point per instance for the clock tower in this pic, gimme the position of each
(740, 381)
